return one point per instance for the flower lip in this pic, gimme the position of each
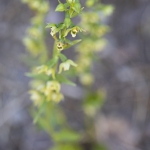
(60, 46)
(74, 32)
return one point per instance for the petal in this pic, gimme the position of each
(72, 63)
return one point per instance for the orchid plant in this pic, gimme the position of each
(48, 72)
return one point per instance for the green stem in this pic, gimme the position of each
(55, 54)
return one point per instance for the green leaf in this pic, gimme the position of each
(41, 109)
(37, 76)
(71, 43)
(42, 123)
(66, 5)
(60, 7)
(67, 22)
(77, 7)
(67, 136)
(49, 25)
(66, 32)
(71, 12)
(61, 25)
(52, 62)
(75, 42)
(62, 57)
(63, 79)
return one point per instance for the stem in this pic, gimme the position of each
(55, 54)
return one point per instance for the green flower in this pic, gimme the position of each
(66, 65)
(60, 46)
(41, 69)
(53, 96)
(74, 31)
(52, 86)
(46, 70)
(36, 97)
(53, 29)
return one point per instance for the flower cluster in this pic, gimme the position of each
(52, 70)
(93, 39)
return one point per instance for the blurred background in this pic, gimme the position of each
(124, 72)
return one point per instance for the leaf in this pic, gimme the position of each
(67, 136)
(75, 42)
(66, 5)
(67, 22)
(71, 43)
(60, 7)
(62, 57)
(71, 12)
(41, 109)
(52, 62)
(50, 25)
(63, 79)
(36, 76)
(66, 32)
(77, 7)
(61, 25)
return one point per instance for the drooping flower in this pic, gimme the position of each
(46, 70)
(54, 96)
(41, 69)
(35, 97)
(66, 65)
(52, 86)
(53, 30)
(74, 31)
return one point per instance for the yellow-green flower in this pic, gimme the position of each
(50, 72)
(54, 96)
(41, 69)
(74, 31)
(53, 30)
(66, 65)
(46, 70)
(52, 86)
(35, 97)
(60, 46)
